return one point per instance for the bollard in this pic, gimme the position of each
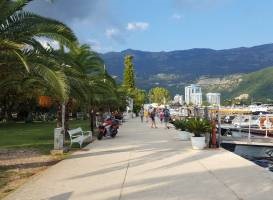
(213, 135)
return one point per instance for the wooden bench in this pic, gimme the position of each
(79, 136)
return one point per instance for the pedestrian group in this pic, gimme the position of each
(151, 113)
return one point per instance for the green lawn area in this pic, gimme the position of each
(32, 136)
(37, 135)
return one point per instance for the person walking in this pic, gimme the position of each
(146, 115)
(161, 116)
(141, 114)
(166, 117)
(152, 116)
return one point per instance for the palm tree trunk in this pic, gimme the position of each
(68, 108)
(92, 113)
(59, 115)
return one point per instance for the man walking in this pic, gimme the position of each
(141, 114)
(152, 116)
(166, 117)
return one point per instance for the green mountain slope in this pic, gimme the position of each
(259, 85)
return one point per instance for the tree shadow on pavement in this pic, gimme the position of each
(63, 196)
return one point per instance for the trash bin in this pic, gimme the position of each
(58, 139)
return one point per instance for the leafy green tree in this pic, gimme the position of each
(139, 97)
(129, 84)
(205, 103)
(159, 95)
(129, 76)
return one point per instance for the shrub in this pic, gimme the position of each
(180, 124)
(198, 126)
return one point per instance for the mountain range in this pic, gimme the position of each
(175, 69)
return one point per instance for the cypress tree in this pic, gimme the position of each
(128, 74)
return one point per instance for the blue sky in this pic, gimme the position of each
(164, 25)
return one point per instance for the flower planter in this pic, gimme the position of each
(198, 142)
(184, 135)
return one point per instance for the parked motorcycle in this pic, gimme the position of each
(108, 128)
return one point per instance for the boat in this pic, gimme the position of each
(255, 124)
(242, 121)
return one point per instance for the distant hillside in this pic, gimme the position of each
(259, 85)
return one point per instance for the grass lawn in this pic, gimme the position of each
(17, 144)
(37, 135)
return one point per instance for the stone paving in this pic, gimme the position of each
(149, 164)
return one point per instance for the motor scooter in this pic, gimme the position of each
(109, 128)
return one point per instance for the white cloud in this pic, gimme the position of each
(116, 35)
(95, 45)
(47, 43)
(98, 47)
(112, 33)
(135, 26)
(177, 16)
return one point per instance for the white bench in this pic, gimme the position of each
(79, 136)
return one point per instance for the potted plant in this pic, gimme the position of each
(199, 127)
(182, 126)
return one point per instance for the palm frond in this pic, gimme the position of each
(8, 7)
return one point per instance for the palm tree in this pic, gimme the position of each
(21, 30)
(96, 88)
(20, 47)
(28, 67)
(20, 36)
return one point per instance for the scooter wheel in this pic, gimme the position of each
(99, 136)
(114, 134)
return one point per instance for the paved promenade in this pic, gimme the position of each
(149, 164)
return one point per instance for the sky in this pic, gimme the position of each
(163, 25)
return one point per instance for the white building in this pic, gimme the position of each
(178, 99)
(193, 94)
(213, 98)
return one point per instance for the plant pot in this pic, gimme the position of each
(198, 142)
(184, 135)
(207, 140)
